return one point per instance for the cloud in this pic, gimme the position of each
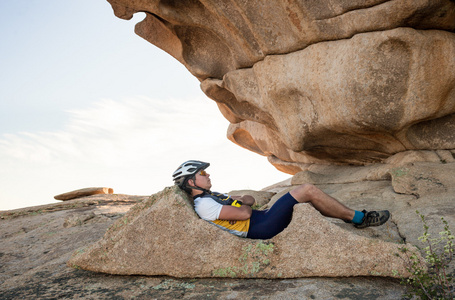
(132, 145)
(112, 132)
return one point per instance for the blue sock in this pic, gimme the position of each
(358, 217)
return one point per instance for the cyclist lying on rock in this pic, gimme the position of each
(234, 214)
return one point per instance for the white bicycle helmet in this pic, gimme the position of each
(187, 170)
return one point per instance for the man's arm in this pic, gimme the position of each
(246, 199)
(232, 213)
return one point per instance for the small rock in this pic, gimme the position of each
(83, 193)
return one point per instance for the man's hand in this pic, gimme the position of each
(246, 199)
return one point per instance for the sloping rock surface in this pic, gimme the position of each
(164, 236)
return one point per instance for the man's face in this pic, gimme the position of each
(202, 179)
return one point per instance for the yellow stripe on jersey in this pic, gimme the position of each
(239, 228)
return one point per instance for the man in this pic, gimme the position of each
(234, 214)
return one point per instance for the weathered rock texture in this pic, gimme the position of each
(328, 81)
(164, 236)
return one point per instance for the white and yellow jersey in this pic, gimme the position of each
(209, 209)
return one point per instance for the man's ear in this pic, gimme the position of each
(191, 182)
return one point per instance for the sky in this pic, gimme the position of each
(85, 102)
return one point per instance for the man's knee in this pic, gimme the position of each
(304, 192)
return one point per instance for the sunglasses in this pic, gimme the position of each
(202, 173)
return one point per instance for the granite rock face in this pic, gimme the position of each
(164, 236)
(306, 82)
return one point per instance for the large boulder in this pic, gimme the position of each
(164, 236)
(328, 81)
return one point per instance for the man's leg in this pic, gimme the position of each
(325, 204)
(330, 207)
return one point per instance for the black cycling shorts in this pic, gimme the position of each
(265, 224)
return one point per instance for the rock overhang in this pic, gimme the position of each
(328, 82)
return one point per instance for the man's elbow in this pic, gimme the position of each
(246, 212)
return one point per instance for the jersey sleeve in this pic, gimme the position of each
(207, 208)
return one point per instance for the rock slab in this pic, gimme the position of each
(84, 193)
(164, 236)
